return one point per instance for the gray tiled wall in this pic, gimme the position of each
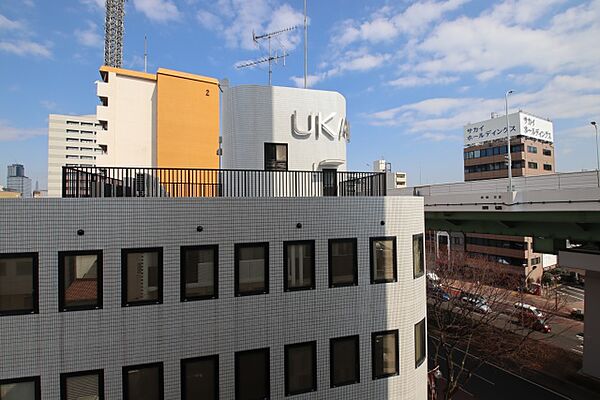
(53, 342)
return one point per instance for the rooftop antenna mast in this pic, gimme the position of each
(114, 27)
(271, 57)
(145, 54)
(305, 46)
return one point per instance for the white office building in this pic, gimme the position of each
(394, 180)
(73, 141)
(16, 181)
(233, 293)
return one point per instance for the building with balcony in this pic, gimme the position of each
(73, 141)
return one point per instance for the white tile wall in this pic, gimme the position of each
(51, 343)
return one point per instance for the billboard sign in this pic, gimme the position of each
(519, 123)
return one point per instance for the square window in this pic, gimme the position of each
(200, 378)
(199, 272)
(82, 385)
(252, 375)
(20, 389)
(299, 263)
(420, 343)
(80, 280)
(547, 167)
(141, 276)
(18, 283)
(251, 269)
(418, 255)
(344, 361)
(300, 368)
(383, 260)
(343, 264)
(276, 157)
(385, 354)
(143, 382)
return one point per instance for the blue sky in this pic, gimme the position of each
(413, 73)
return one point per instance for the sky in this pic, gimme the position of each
(413, 72)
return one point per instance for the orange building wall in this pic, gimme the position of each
(187, 119)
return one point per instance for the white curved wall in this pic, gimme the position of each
(254, 115)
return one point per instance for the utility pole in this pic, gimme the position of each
(305, 45)
(510, 185)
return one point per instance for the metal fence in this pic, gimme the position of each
(186, 182)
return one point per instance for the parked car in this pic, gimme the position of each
(577, 313)
(529, 316)
(438, 293)
(475, 303)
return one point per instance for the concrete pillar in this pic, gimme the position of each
(591, 328)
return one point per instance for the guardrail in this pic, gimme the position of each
(187, 182)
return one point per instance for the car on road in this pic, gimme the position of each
(577, 313)
(438, 293)
(530, 317)
(475, 303)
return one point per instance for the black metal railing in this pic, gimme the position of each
(187, 182)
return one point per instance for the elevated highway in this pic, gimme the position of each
(560, 211)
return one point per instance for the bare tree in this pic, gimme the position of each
(474, 316)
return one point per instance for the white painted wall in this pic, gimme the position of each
(254, 115)
(131, 116)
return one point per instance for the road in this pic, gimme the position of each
(491, 382)
(573, 293)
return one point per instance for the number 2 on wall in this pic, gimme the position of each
(207, 92)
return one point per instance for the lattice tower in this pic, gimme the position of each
(114, 27)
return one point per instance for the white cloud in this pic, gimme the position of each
(385, 25)
(10, 133)
(8, 24)
(99, 4)
(209, 20)
(158, 10)
(415, 80)
(25, 47)
(311, 80)
(48, 105)
(89, 36)
(235, 20)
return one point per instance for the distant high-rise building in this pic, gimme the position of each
(16, 181)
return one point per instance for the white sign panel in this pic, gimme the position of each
(518, 124)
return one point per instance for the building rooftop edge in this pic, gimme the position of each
(128, 72)
(187, 75)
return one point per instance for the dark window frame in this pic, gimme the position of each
(185, 361)
(547, 152)
(182, 272)
(372, 241)
(332, 341)
(547, 167)
(330, 262)
(532, 165)
(65, 376)
(161, 383)
(236, 271)
(415, 276)
(312, 285)
(35, 309)
(237, 355)
(34, 379)
(62, 307)
(266, 144)
(419, 361)
(286, 349)
(397, 360)
(124, 253)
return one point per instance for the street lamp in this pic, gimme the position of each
(510, 186)
(597, 156)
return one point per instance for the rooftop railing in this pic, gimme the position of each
(187, 182)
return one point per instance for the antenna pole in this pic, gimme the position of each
(305, 46)
(270, 60)
(145, 54)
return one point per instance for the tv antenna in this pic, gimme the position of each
(270, 58)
